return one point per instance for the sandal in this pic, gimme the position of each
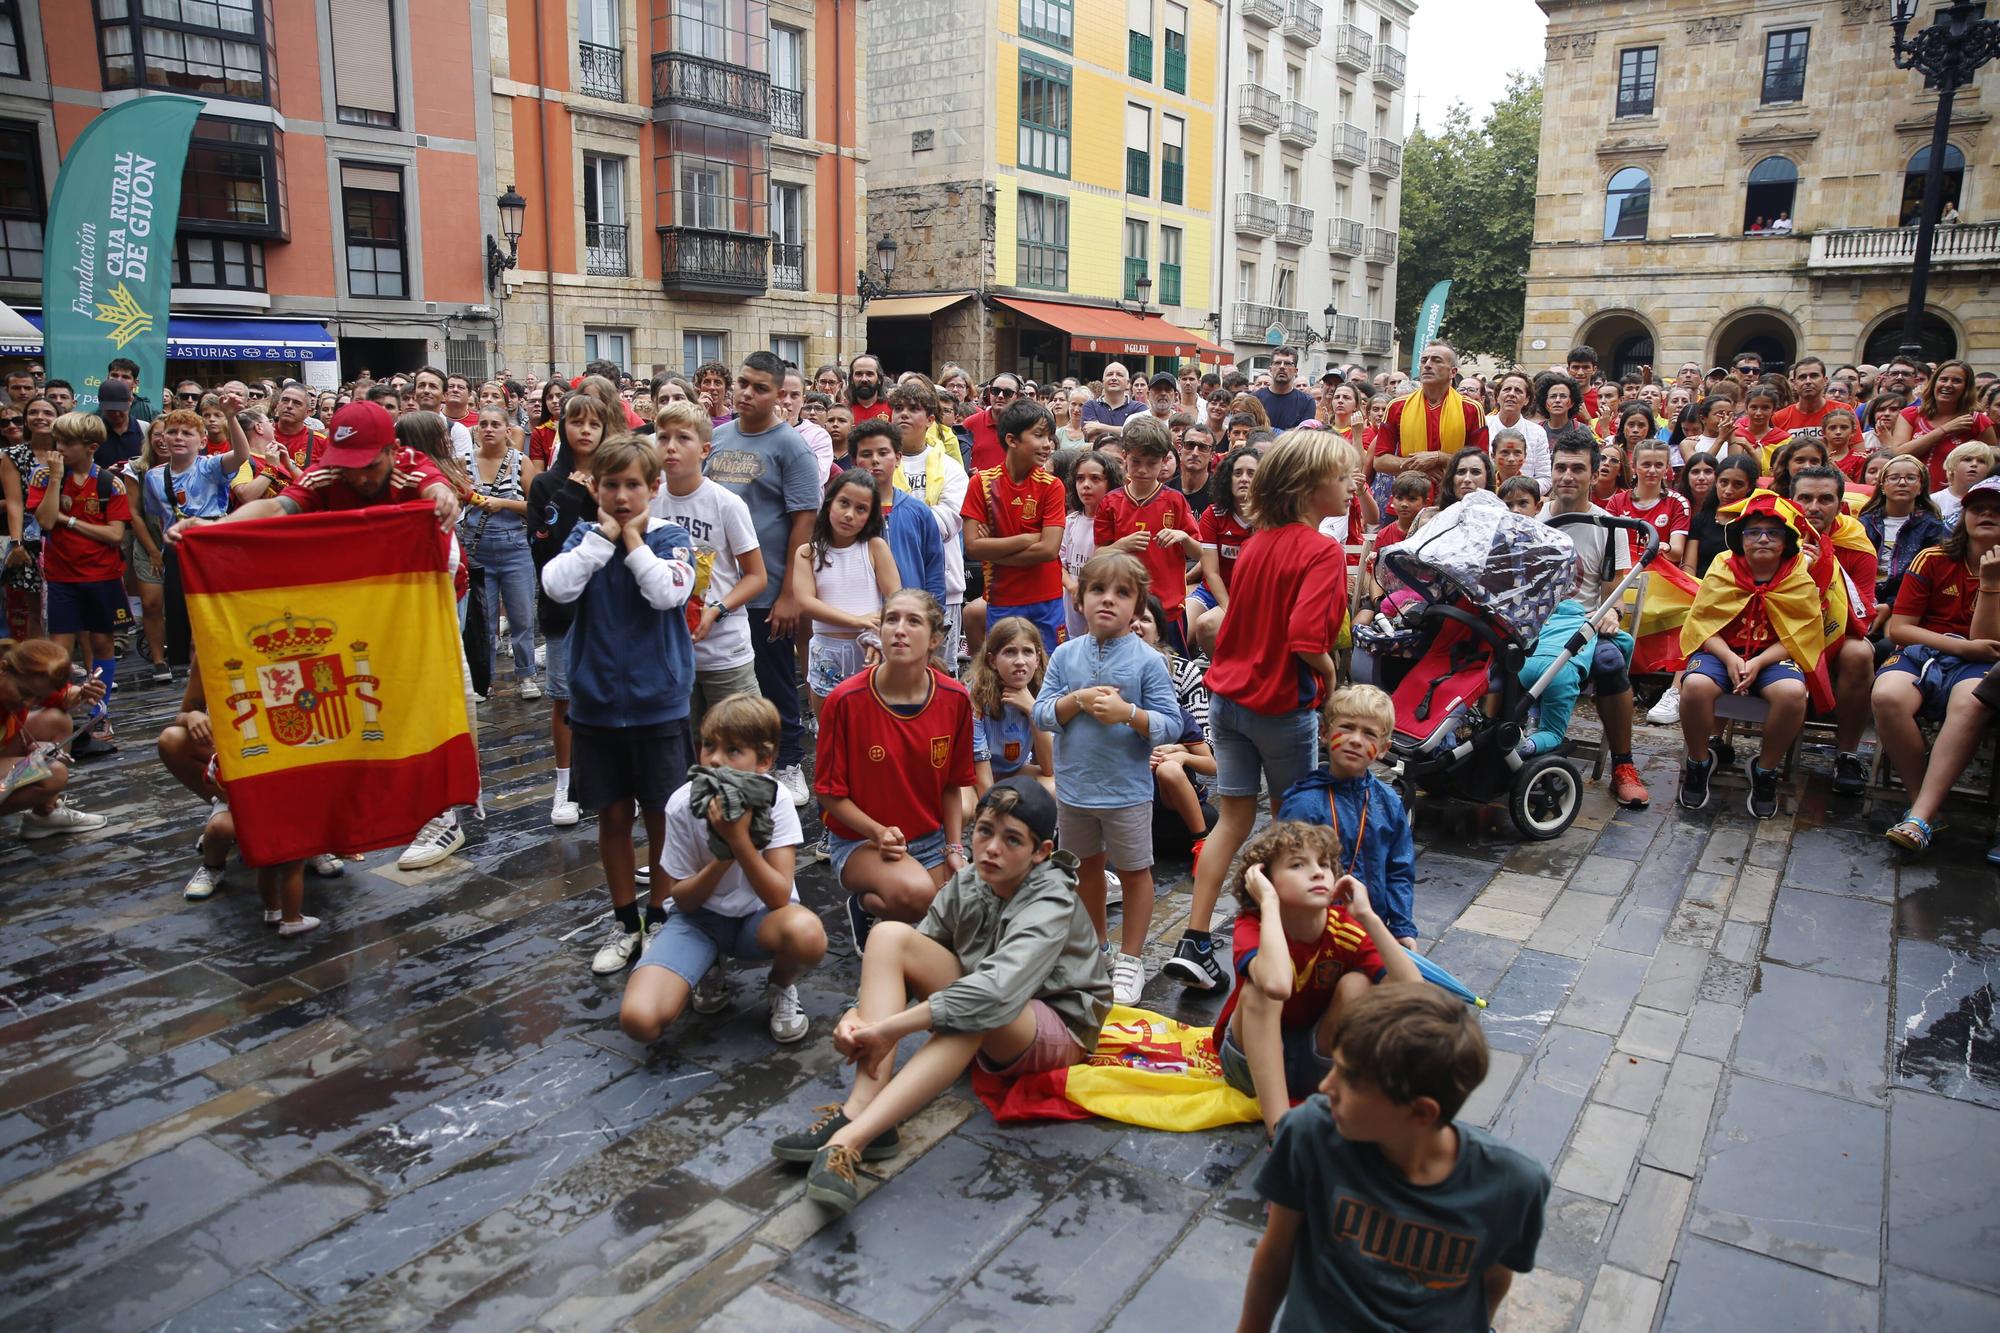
(1911, 834)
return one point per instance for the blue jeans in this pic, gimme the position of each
(507, 574)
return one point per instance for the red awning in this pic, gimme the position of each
(1116, 332)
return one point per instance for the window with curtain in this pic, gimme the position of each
(206, 48)
(1044, 116)
(1042, 242)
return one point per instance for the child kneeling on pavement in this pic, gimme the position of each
(730, 877)
(1008, 961)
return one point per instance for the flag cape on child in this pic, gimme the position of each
(1656, 637)
(328, 647)
(1147, 1070)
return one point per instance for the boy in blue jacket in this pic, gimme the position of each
(631, 670)
(911, 529)
(1367, 817)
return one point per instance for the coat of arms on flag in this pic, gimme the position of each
(301, 689)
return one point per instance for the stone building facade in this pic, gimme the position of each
(1672, 128)
(695, 182)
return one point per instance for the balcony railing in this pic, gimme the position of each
(1135, 270)
(1258, 108)
(600, 71)
(605, 255)
(1264, 13)
(1343, 237)
(788, 111)
(1299, 125)
(1351, 48)
(1301, 25)
(1346, 330)
(1896, 247)
(1173, 187)
(1295, 225)
(1252, 323)
(1391, 67)
(1139, 55)
(1174, 70)
(698, 81)
(1350, 144)
(720, 262)
(1170, 284)
(1381, 246)
(1256, 215)
(788, 267)
(1385, 157)
(1376, 335)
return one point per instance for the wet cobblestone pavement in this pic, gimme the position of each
(1760, 1060)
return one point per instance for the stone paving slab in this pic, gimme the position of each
(1759, 1060)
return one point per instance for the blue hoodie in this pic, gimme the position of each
(631, 662)
(914, 542)
(1386, 861)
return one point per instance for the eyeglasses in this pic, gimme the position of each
(1762, 535)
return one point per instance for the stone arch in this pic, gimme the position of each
(1772, 334)
(1885, 333)
(1623, 339)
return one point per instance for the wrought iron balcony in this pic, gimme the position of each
(1258, 108)
(1256, 215)
(1346, 331)
(1253, 323)
(1343, 237)
(605, 255)
(1350, 144)
(788, 111)
(1295, 225)
(1351, 48)
(1957, 243)
(1385, 158)
(711, 84)
(1299, 125)
(723, 263)
(600, 71)
(1170, 284)
(1381, 246)
(1376, 335)
(788, 267)
(1264, 13)
(1301, 25)
(1391, 67)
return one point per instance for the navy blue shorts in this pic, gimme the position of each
(85, 608)
(1046, 616)
(1938, 674)
(1706, 664)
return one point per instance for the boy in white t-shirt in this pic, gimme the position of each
(731, 879)
(728, 563)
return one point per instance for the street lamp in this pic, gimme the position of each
(866, 287)
(1947, 53)
(1144, 286)
(512, 209)
(1329, 314)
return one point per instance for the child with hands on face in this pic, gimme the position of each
(1003, 682)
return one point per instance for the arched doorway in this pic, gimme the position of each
(1623, 342)
(1764, 332)
(1885, 340)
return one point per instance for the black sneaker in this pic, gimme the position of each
(1193, 963)
(162, 674)
(1763, 791)
(859, 922)
(831, 1180)
(1850, 775)
(1694, 783)
(806, 1144)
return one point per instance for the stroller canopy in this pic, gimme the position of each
(1509, 566)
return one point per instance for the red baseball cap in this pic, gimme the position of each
(357, 435)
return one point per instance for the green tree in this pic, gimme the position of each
(1469, 215)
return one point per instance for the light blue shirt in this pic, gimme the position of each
(1006, 742)
(1101, 767)
(200, 492)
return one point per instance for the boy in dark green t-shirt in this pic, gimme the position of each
(1384, 1212)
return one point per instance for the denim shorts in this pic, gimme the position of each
(1283, 747)
(1938, 674)
(928, 851)
(555, 664)
(690, 942)
(1305, 1067)
(1703, 664)
(829, 661)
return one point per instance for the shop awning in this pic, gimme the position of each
(1115, 332)
(911, 307)
(210, 338)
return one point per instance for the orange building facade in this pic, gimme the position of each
(336, 190)
(693, 183)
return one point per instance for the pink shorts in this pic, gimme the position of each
(1052, 1048)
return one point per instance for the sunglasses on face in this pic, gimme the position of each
(9, 422)
(1006, 393)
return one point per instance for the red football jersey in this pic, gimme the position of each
(1317, 965)
(895, 767)
(1121, 515)
(1223, 534)
(1287, 596)
(1939, 591)
(71, 557)
(1010, 510)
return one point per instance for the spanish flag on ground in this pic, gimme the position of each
(1147, 1070)
(1656, 646)
(328, 646)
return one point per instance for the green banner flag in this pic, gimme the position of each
(1429, 317)
(111, 245)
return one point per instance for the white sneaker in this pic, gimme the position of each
(531, 688)
(206, 880)
(299, 927)
(1668, 710)
(713, 992)
(616, 954)
(565, 813)
(273, 918)
(792, 780)
(1114, 889)
(65, 818)
(433, 843)
(1128, 979)
(327, 866)
(788, 1016)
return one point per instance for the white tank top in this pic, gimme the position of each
(847, 581)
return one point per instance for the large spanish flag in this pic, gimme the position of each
(328, 647)
(1656, 645)
(1147, 1070)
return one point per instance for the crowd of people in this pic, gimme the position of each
(1034, 633)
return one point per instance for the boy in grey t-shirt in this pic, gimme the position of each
(1385, 1212)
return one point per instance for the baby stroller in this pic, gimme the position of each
(1486, 580)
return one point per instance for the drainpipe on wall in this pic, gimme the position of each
(839, 200)
(548, 205)
(1222, 195)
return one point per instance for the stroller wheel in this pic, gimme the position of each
(1547, 795)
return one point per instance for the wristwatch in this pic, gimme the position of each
(69, 521)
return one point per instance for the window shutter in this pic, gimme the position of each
(364, 65)
(371, 178)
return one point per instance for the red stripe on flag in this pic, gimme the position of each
(357, 806)
(291, 550)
